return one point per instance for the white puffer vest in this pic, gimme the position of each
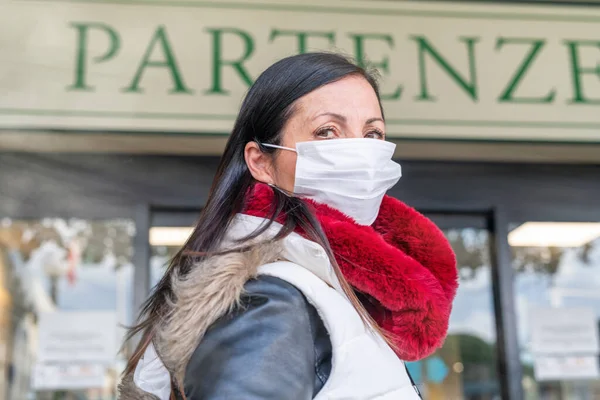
(364, 367)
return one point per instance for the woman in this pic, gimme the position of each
(302, 279)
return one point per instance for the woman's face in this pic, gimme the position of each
(344, 109)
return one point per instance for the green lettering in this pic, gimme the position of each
(160, 39)
(469, 86)
(80, 81)
(219, 62)
(577, 71)
(302, 37)
(383, 65)
(508, 95)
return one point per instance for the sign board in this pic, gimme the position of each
(74, 377)
(76, 337)
(564, 331)
(556, 368)
(450, 70)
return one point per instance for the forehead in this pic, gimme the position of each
(350, 96)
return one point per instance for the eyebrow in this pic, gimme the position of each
(334, 115)
(344, 119)
(371, 120)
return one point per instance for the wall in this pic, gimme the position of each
(106, 186)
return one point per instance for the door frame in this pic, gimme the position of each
(495, 221)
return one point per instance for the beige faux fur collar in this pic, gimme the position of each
(207, 293)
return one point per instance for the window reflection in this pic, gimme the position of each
(160, 257)
(561, 274)
(59, 267)
(165, 242)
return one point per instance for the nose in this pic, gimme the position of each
(353, 132)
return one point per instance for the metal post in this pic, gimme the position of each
(141, 257)
(509, 363)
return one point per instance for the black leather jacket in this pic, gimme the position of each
(275, 346)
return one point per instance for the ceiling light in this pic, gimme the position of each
(169, 236)
(554, 234)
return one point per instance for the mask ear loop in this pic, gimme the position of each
(275, 146)
(262, 147)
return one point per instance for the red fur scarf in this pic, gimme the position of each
(402, 264)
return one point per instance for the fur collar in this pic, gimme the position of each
(211, 290)
(402, 265)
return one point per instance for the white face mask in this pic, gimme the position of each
(350, 175)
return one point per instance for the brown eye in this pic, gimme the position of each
(327, 132)
(375, 134)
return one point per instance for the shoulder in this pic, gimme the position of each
(268, 307)
(275, 329)
(276, 290)
(276, 305)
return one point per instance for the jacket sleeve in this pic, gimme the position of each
(262, 350)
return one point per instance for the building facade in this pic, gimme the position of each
(113, 115)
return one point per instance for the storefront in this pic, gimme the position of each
(113, 115)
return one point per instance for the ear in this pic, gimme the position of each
(259, 163)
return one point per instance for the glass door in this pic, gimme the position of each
(169, 229)
(466, 366)
(557, 288)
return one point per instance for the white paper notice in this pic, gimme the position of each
(78, 337)
(555, 368)
(57, 377)
(564, 331)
